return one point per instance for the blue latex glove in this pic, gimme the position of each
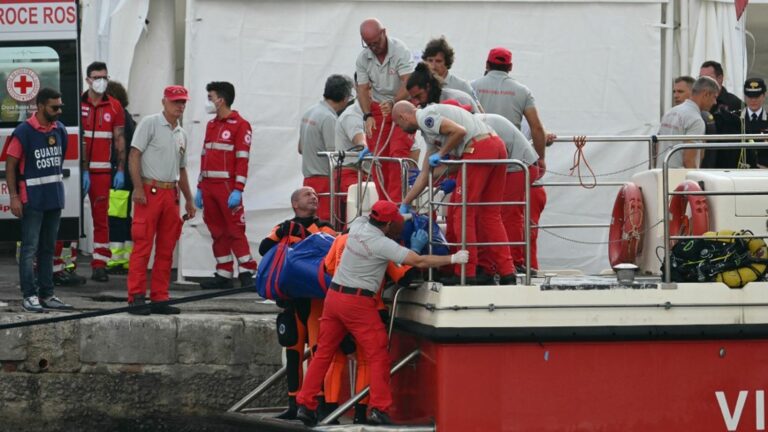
(86, 181)
(363, 153)
(405, 208)
(235, 198)
(199, 199)
(435, 159)
(447, 185)
(119, 181)
(412, 174)
(419, 239)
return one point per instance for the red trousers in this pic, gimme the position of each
(156, 223)
(513, 217)
(99, 195)
(390, 178)
(358, 315)
(321, 185)
(485, 183)
(227, 227)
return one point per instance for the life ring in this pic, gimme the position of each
(626, 232)
(679, 222)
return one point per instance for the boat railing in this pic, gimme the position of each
(336, 158)
(668, 238)
(462, 164)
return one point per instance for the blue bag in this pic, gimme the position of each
(421, 222)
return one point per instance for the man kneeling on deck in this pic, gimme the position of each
(350, 307)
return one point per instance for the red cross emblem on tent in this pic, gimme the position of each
(23, 84)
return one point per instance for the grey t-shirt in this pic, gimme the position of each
(499, 93)
(683, 119)
(163, 148)
(430, 118)
(451, 81)
(366, 256)
(385, 76)
(518, 147)
(459, 96)
(317, 133)
(349, 125)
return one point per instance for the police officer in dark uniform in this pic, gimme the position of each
(726, 119)
(755, 119)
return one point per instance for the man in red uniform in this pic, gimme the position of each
(158, 170)
(103, 122)
(382, 69)
(350, 307)
(223, 173)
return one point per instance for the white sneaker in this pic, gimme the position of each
(32, 304)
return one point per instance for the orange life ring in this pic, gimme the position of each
(626, 232)
(679, 222)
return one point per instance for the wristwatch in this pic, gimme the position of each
(366, 116)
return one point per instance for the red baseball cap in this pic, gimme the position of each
(386, 211)
(176, 92)
(500, 56)
(454, 102)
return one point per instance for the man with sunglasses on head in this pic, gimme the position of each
(35, 184)
(382, 68)
(103, 124)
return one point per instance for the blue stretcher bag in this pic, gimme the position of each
(295, 271)
(421, 222)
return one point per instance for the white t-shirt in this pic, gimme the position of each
(317, 133)
(683, 119)
(499, 93)
(518, 147)
(430, 118)
(349, 125)
(385, 76)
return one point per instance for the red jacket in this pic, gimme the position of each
(98, 122)
(226, 150)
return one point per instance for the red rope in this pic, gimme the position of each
(578, 156)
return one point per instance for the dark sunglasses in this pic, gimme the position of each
(56, 107)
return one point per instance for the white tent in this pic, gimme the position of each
(595, 67)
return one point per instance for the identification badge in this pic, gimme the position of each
(51, 140)
(153, 190)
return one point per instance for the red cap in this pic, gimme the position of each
(386, 211)
(454, 102)
(176, 92)
(500, 56)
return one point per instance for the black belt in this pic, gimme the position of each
(352, 291)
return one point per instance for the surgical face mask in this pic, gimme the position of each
(210, 107)
(99, 85)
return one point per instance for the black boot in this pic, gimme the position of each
(361, 412)
(100, 275)
(246, 279)
(216, 282)
(379, 418)
(306, 415)
(325, 409)
(139, 300)
(290, 413)
(510, 279)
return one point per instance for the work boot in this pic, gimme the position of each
(377, 417)
(216, 282)
(139, 300)
(361, 411)
(290, 413)
(519, 268)
(164, 309)
(68, 278)
(325, 409)
(306, 415)
(484, 278)
(246, 279)
(510, 279)
(99, 274)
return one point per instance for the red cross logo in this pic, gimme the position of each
(22, 84)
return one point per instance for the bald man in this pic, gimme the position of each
(382, 68)
(450, 131)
